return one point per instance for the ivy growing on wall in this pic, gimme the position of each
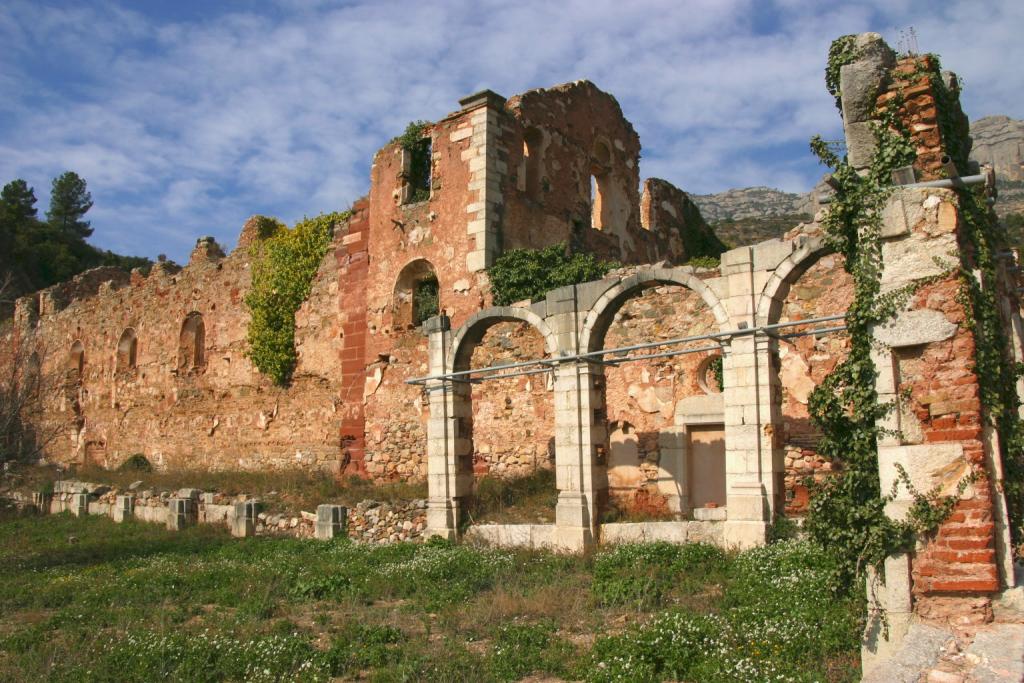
(841, 52)
(284, 263)
(847, 511)
(520, 274)
(419, 149)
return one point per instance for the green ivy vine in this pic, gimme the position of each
(842, 51)
(847, 511)
(520, 274)
(418, 147)
(284, 263)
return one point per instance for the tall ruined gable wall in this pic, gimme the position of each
(224, 414)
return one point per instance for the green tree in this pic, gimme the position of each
(18, 201)
(69, 202)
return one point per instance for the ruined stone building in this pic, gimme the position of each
(718, 440)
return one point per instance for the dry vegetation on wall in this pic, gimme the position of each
(85, 599)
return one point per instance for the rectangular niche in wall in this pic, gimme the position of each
(706, 447)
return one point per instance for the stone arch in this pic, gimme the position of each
(810, 283)
(192, 343)
(601, 314)
(773, 295)
(126, 352)
(417, 294)
(472, 331)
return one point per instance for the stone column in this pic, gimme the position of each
(449, 448)
(751, 462)
(580, 460)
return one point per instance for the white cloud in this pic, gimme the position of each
(185, 128)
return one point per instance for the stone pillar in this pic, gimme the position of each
(580, 457)
(330, 521)
(79, 504)
(488, 168)
(243, 525)
(753, 465)
(124, 508)
(890, 609)
(449, 468)
(181, 512)
(861, 82)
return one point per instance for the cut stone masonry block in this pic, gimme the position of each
(181, 512)
(124, 508)
(330, 521)
(244, 523)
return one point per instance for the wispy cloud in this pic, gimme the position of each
(186, 124)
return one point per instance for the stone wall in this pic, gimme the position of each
(369, 521)
(127, 385)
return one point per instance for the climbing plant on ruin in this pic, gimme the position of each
(984, 239)
(847, 511)
(842, 51)
(520, 274)
(418, 148)
(283, 266)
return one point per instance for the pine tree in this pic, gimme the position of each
(69, 201)
(17, 210)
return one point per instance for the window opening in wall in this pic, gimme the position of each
(126, 350)
(76, 362)
(425, 300)
(417, 294)
(532, 141)
(709, 375)
(598, 184)
(418, 172)
(191, 342)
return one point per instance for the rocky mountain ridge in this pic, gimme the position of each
(751, 214)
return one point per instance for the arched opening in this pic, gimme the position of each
(600, 206)
(532, 141)
(126, 351)
(663, 462)
(492, 439)
(417, 295)
(76, 363)
(510, 427)
(816, 288)
(191, 344)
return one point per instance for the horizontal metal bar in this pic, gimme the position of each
(595, 356)
(950, 183)
(821, 330)
(665, 354)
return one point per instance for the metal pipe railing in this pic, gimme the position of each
(490, 372)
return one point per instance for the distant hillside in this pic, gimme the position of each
(753, 214)
(999, 140)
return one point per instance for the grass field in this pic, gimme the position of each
(89, 600)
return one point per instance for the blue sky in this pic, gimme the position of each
(185, 118)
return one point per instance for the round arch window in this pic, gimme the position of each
(709, 374)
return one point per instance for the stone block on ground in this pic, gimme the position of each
(330, 521)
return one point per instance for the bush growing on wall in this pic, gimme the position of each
(529, 273)
(284, 264)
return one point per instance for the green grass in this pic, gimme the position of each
(89, 600)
